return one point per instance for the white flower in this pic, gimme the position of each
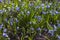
(20, 0)
(17, 28)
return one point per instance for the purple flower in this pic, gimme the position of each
(17, 8)
(5, 35)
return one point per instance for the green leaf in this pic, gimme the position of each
(49, 26)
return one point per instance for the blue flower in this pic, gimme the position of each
(1, 26)
(39, 18)
(5, 35)
(32, 28)
(58, 37)
(56, 12)
(1, 11)
(31, 4)
(17, 8)
(0, 0)
(5, 30)
(38, 29)
(17, 20)
(48, 6)
(11, 23)
(44, 12)
(28, 12)
(51, 32)
(42, 5)
(58, 24)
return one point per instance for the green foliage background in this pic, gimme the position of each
(25, 18)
